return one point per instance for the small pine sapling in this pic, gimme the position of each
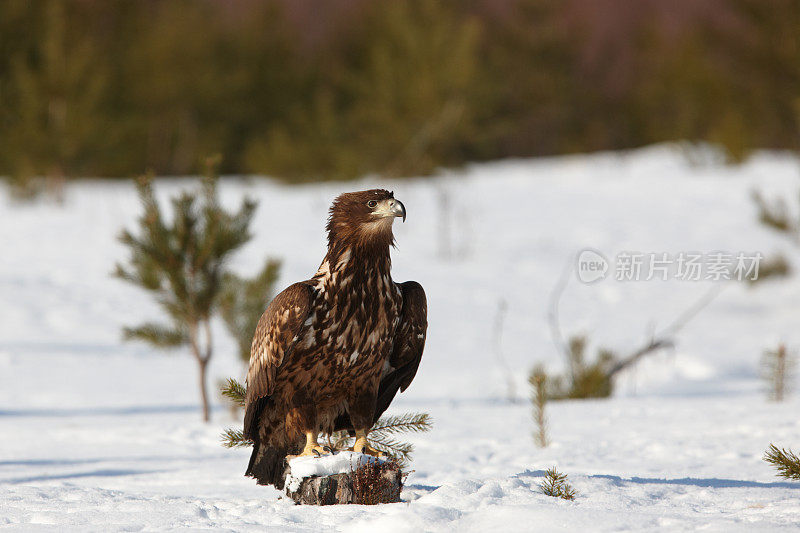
(538, 381)
(585, 379)
(555, 484)
(589, 380)
(382, 436)
(243, 300)
(777, 369)
(785, 462)
(241, 304)
(181, 262)
(777, 216)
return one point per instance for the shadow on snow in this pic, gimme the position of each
(714, 483)
(75, 475)
(102, 411)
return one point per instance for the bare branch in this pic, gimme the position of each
(665, 338)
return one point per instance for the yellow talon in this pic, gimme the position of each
(362, 445)
(312, 447)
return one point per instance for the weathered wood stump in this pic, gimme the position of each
(344, 477)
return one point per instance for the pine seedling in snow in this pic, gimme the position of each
(381, 436)
(785, 462)
(585, 379)
(243, 300)
(555, 484)
(538, 381)
(778, 216)
(181, 262)
(777, 369)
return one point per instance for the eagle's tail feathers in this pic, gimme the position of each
(268, 465)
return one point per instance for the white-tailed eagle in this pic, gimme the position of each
(331, 352)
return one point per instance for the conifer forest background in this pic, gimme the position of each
(306, 90)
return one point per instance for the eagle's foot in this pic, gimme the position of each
(315, 450)
(312, 447)
(362, 445)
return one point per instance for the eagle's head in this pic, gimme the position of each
(364, 218)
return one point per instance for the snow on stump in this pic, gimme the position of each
(344, 477)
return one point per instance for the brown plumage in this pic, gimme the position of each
(331, 352)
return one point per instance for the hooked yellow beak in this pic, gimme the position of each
(391, 208)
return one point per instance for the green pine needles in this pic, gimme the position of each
(234, 391)
(382, 436)
(555, 484)
(243, 300)
(785, 462)
(234, 438)
(181, 260)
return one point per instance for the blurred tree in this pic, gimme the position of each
(761, 54)
(176, 82)
(539, 386)
(776, 215)
(107, 89)
(777, 371)
(53, 94)
(530, 93)
(243, 300)
(413, 82)
(398, 101)
(182, 264)
(585, 380)
(313, 144)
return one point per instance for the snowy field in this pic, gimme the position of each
(98, 435)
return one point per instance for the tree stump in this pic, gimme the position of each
(343, 477)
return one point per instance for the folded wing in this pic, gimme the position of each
(409, 342)
(274, 340)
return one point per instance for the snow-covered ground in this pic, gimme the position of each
(98, 435)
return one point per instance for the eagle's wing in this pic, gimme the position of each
(409, 342)
(274, 339)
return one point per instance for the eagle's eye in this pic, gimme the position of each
(371, 204)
